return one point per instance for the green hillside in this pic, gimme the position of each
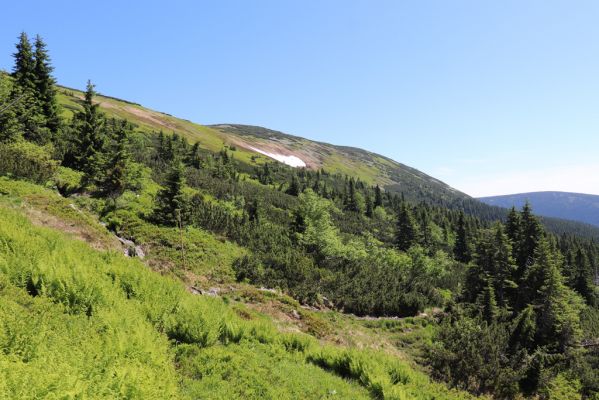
(369, 167)
(92, 323)
(144, 256)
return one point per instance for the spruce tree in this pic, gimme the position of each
(46, 86)
(351, 201)
(369, 206)
(113, 180)
(461, 249)
(425, 236)
(88, 136)
(493, 265)
(406, 232)
(489, 311)
(558, 307)
(294, 186)
(512, 225)
(378, 197)
(504, 269)
(24, 100)
(253, 210)
(195, 158)
(531, 233)
(170, 201)
(582, 277)
(24, 68)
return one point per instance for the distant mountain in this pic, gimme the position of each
(573, 206)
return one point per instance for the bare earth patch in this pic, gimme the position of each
(77, 231)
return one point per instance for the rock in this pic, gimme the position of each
(212, 292)
(295, 314)
(327, 303)
(130, 249)
(139, 252)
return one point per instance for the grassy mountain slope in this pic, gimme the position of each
(572, 206)
(370, 167)
(92, 323)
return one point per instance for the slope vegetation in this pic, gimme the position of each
(96, 324)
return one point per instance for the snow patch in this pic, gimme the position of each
(292, 161)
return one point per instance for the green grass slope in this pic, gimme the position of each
(370, 167)
(78, 322)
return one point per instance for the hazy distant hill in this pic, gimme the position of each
(573, 206)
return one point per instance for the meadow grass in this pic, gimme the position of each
(82, 323)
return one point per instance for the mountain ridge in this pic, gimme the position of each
(370, 167)
(573, 206)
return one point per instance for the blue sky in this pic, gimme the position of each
(491, 97)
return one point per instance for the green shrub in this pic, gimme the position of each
(25, 160)
(67, 181)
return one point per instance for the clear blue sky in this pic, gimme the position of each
(491, 97)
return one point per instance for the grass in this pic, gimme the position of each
(46, 207)
(289, 376)
(82, 323)
(369, 167)
(153, 121)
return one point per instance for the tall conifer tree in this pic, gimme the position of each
(406, 232)
(46, 86)
(88, 135)
(113, 181)
(170, 201)
(461, 249)
(24, 68)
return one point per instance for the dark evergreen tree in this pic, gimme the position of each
(513, 226)
(170, 201)
(351, 203)
(24, 69)
(493, 265)
(369, 206)
(25, 104)
(488, 304)
(504, 269)
(530, 234)
(265, 176)
(88, 136)
(46, 86)
(113, 176)
(294, 186)
(558, 307)
(425, 236)
(582, 277)
(253, 210)
(378, 197)
(195, 159)
(461, 250)
(406, 234)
